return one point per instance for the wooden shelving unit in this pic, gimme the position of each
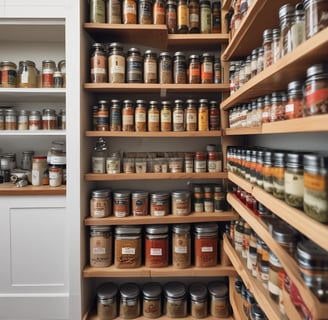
(183, 134)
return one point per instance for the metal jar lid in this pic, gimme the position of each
(28, 63)
(107, 291)
(286, 10)
(159, 196)
(139, 194)
(157, 229)
(317, 69)
(256, 312)
(103, 193)
(279, 159)
(175, 290)
(198, 291)
(294, 160)
(129, 290)
(311, 256)
(218, 289)
(206, 227)
(152, 290)
(134, 50)
(122, 194)
(127, 230)
(283, 233)
(150, 53)
(181, 194)
(181, 228)
(165, 55)
(98, 230)
(315, 163)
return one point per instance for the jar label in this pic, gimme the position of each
(180, 249)
(98, 250)
(315, 182)
(156, 252)
(128, 250)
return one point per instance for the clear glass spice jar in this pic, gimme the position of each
(129, 301)
(219, 299)
(152, 300)
(181, 246)
(116, 63)
(175, 300)
(107, 301)
(100, 246)
(134, 66)
(198, 300)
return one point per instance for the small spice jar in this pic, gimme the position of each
(159, 204)
(207, 68)
(181, 246)
(205, 16)
(98, 64)
(219, 303)
(267, 171)
(267, 45)
(107, 301)
(159, 12)
(194, 69)
(179, 68)
(100, 246)
(55, 175)
(216, 17)
(152, 300)
(200, 162)
(191, 115)
(198, 198)
(127, 251)
(203, 115)
(166, 116)
(114, 12)
(178, 119)
(129, 301)
(39, 167)
(214, 116)
(181, 203)
(134, 66)
(171, 16)
(153, 116)
(315, 16)
(34, 120)
(49, 119)
(116, 63)
(26, 160)
(97, 11)
(10, 119)
(206, 244)
(22, 120)
(121, 204)
(115, 116)
(102, 117)
(145, 12)
(150, 67)
(128, 115)
(278, 175)
(182, 16)
(48, 70)
(26, 77)
(129, 11)
(198, 300)
(139, 203)
(8, 72)
(315, 202)
(156, 246)
(100, 203)
(140, 116)
(175, 301)
(165, 68)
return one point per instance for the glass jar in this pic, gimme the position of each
(171, 16)
(203, 115)
(194, 16)
(129, 301)
(139, 203)
(159, 204)
(10, 119)
(286, 16)
(181, 246)
(114, 12)
(267, 46)
(150, 67)
(206, 244)
(129, 11)
(316, 90)
(61, 119)
(286, 236)
(260, 60)
(128, 115)
(207, 68)
(294, 182)
(127, 249)
(205, 16)
(115, 116)
(116, 63)
(49, 119)
(198, 300)
(179, 68)
(26, 161)
(256, 313)
(97, 11)
(178, 119)
(216, 17)
(315, 16)
(217, 70)
(107, 301)
(140, 115)
(315, 187)
(175, 301)
(8, 74)
(182, 16)
(165, 68)
(267, 172)
(102, 116)
(166, 116)
(181, 202)
(34, 120)
(295, 104)
(298, 26)
(159, 12)
(275, 45)
(101, 203)
(100, 246)
(153, 117)
(145, 12)
(121, 203)
(214, 116)
(22, 120)
(191, 115)
(200, 163)
(26, 74)
(48, 70)
(134, 66)
(198, 199)
(156, 246)
(278, 175)
(219, 303)
(152, 300)
(277, 110)
(99, 156)
(194, 69)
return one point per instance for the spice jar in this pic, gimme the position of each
(217, 70)
(34, 120)
(97, 11)
(26, 161)
(194, 69)
(115, 116)
(286, 236)
(214, 116)
(22, 120)
(207, 68)
(181, 246)
(114, 14)
(121, 204)
(208, 198)
(194, 16)
(166, 116)
(134, 66)
(49, 119)
(102, 117)
(116, 63)
(128, 115)
(179, 68)
(181, 203)
(203, 119)
(200, 162)
(145, 11)
(316, 90)
(150, 67)
(129, 11)
(100, 246)
(159, 204)
(156, 246)
(152, 300)
(191, 115)
(267, 46)
(127, 252)
(315, 187)
(10, 119)
(298, 26)
(178, 119)
(277, 110)
(214, 162)
(48, 70)
(198, 199)
(39, 167)
(61, 119)
(294, 183)
(206, 244)
(140, 116)
(129, 301)
(256, 313)
(219, 199)
(182, 16)
(216, 17)
(55, 175)
(278, 175)
(139, 203)
(219, 303)
(153, 117)
(267, 172)
(198, 300)
(100, 203)
(165, 68)
(26, 77)
(175, 302)
(286, 16)
(171, 16)
(159, 12)
(107, 301)
(315, 16)
(205, 16)
(8, 74)
(113, 163)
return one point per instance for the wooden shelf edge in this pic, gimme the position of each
(171, 134)
(247, 186)
(192, 218)
(9, 189)
(260, 293)
(153, 176)
(124, 27)
(232, 297)
(242, 131)
(290, 309)
(145, 272)
(318, 310)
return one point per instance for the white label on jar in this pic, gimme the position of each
(128, 250)
(140, 117)
(214, 165)
(153, 117)
(156, 251)
(120, 214)
(206, 249)
(180, 249)
(98, 71)
(208, 67)
(36, 178)
(177, 117)
(199, 207)
(99, 213)
(127, 120)
(191, 118)
(55, 178)
(99, 250)
(200, 165)
(98, 164)
(208, 206)
(113, 166)
(150, 67)
(294, 184)
(159, 213)
(289, 107)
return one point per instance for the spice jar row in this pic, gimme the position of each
(27, 75)
(174, 299)
(156, 162)
(300, 179)
(302, 99)
(123, 203)
(180, 16)
(250, 308)
(155, 245)
(111, 64)
(297, 24)
(47, 119)
(156, 116)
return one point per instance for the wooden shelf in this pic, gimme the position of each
(260, 293)
(13, 95)
(242, 131)
(289, 68)
(192, 218)
(10, 189)
(32, 133)
(226, 4)
(153, 176)
(247, 186)
(145, 272)
(262, 14)
(162, 89)
(133, 134)
(317, 309)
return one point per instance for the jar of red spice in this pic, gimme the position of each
(156, 245)
(295, 104)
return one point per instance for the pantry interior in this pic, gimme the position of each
(68, 289)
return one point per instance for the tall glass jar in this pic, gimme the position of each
(278, 175)
(150, 67)
(107, 301)
(26, 74)
(203, 115)
(286, 16)
(129, 301)
(153, 116)
(191, 115)
(100, 246)
(134, 66)
(298, 26)
(48, 70)
(194, 16)
(315, 16)
(98, 64)
(194, 69)
(159, 12)
(129, 11)
(181, 246)
(182, 16)
(165, 68)
(116, 63)
(171, 16)
(179, 68)
(145, 12)
(141, 116)
(205, 16)
(97, 11)
(178, 121)
(114, 12)
(267, 45)
(115, 116)
(128, 115)
(207, 68)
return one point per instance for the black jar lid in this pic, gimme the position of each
(129, 290)
(218, 289)
(311, 256)
(174, 289)
(152, 290)
(198, 291)
(317, 69)
(107, 291)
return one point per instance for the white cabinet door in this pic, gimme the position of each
(34, 8)
(34, 257)
(2, 8)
